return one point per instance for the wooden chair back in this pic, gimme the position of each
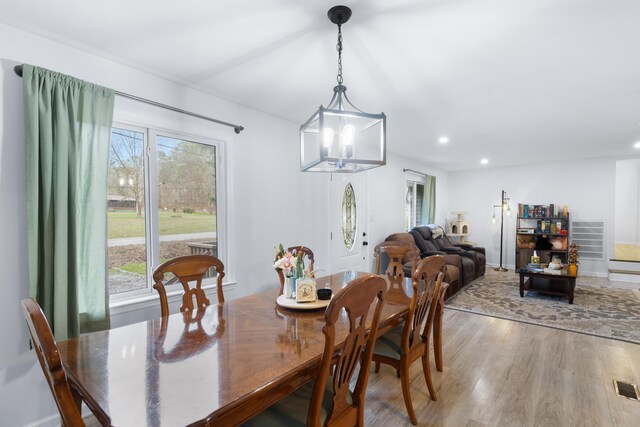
(397, 252)
(427, 279)
(49, 358)
(356, 299)
(308, 253)
(188, 269)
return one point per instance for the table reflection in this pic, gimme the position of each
(195, 337)
(298, 330)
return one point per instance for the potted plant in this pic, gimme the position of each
(573, 258)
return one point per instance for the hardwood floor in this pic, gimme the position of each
(504, 373)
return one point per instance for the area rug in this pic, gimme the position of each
(596, 310)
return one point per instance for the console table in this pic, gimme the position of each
(545, 283)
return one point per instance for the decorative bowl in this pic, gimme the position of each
(324, 293)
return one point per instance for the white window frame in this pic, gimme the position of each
(412, 180)
(152, 236)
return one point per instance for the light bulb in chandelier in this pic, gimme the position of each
(328, 140)
(494, 220)
(508, 211)
(348, 136)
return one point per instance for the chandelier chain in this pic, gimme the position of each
(339, 49)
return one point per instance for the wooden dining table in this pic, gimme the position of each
(220, 365)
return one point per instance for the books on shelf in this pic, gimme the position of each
(542, 211)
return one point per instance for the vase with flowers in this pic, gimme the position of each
(291, 263)
(573, 258)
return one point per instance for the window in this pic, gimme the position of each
(414, 197)
(349, 217)
(163, 193)
(419, 199)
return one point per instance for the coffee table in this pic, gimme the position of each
(545, 283)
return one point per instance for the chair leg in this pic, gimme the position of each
(377, 367)
(405, 380)
(437, 336)
(426, 369)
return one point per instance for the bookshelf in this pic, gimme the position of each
(543, 229)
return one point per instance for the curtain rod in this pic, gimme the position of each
(236, 128)
(414, 171)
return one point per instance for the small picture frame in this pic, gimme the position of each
(306, 290)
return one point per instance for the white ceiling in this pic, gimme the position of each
(516, 81)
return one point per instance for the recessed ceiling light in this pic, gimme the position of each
(484, 161)
(636, 145)
(443, 139)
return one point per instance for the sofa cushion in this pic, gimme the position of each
(422, 238)
(468, 272)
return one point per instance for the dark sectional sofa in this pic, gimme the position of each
(465, 262)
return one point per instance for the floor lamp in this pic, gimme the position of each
(504, 209)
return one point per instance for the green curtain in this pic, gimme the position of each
(429, 200)
(67, 134)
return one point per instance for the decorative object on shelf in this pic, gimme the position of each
(558, 243)
(458, 227)
(543, 242)
(556, 263)
(573, 269)
(340, 137)
(535, 259)
(573, 258)
(504, 209)
(292, 267)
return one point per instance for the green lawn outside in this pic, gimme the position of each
(125, 223)
(138, 267)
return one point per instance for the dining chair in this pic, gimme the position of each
(437, 326)
(329, 400)
(398, 252)
(67, 400)
(308, 253)
(187, 269)
(404, 344)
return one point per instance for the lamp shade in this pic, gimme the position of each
(342, 138)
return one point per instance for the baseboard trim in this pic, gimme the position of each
(50, 421)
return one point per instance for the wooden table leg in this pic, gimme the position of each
(521, 285)
(572, 287)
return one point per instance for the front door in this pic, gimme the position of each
(348, 220)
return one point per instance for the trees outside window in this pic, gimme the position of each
(162, 203)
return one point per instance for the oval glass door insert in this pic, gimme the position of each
(349, 217)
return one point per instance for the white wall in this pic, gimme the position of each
(587, 187)
(386, 187)
(627, 198)
(265, 188)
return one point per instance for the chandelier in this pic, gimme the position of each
(341, 137)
